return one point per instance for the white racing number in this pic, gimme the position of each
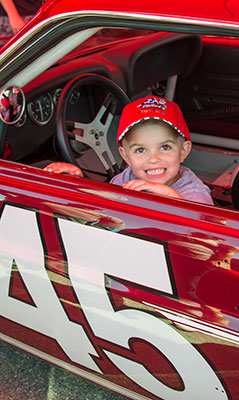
(96, 253)
(92, 253)
(20, 241)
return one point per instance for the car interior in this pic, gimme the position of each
(73, 107)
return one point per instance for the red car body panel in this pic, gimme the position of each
(201, 253)
(216, 11)
(135, 292)
(221, 10)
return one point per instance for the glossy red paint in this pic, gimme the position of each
(199, 246)
(216, 10)
(161, 317)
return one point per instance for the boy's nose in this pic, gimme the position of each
(155, 156)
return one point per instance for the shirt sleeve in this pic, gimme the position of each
(125, 176)
(199, 195)
(192, 188)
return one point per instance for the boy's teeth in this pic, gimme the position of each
(157, 171)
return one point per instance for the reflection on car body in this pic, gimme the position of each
(133, 291)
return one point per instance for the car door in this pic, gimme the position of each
(136, 292)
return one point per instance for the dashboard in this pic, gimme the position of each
(122, 62)
(41, 109)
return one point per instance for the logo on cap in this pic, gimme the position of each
(152, 102)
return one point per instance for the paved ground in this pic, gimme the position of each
(24, 377)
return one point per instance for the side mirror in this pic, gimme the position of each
(12, 105)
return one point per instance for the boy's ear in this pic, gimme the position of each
(186, 148)
(123, 153)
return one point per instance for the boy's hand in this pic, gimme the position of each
(60, 167)
(16, 22)
(152, 187)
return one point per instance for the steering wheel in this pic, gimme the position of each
(99, 101)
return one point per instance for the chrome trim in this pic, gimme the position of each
(24, 38)
(202, 326)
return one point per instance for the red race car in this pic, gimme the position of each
(135, 291)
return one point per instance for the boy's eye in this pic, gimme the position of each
(165, 147)
(139, 150)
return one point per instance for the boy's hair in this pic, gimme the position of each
(152, 108)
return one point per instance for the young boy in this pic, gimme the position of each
(154, 140)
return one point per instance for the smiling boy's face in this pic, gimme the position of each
(154, 151)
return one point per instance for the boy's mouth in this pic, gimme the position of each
(156, 171)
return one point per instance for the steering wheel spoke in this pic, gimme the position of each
(97, 141)
(106, 112)
(71, 134)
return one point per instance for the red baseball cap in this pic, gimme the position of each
(152, 107)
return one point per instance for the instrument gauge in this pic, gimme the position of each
(56, 95)
(41, 109)
(74, 97)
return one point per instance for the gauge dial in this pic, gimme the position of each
(56, 95)
(74, 97)
(41, 109)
